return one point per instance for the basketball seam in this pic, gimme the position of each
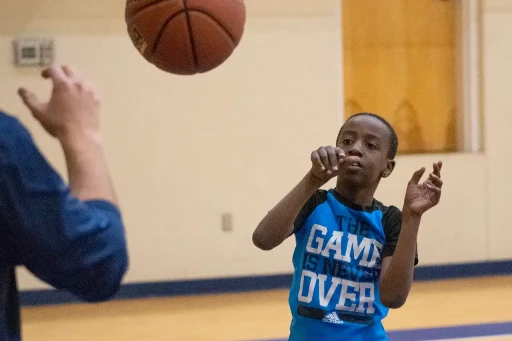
(218, 22)
(161, 32)
(191, 35)
(144, 8)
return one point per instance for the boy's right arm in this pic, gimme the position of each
(278, 224)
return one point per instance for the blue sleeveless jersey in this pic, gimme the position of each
(337, 260)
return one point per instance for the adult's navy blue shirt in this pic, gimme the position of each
(73, 245)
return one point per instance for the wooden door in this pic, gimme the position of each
(400, 62)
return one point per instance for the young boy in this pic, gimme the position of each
(354, 256)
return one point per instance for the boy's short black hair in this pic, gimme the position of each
(393, 138)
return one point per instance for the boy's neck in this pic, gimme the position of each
(362, 196)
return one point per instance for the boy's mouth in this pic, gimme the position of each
(353, 162)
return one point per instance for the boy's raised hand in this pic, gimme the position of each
(326, 162)
(420, 197)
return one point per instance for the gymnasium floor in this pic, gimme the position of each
(469, 309)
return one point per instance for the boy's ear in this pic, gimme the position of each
(389, 169)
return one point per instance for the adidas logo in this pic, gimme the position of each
(332, 318)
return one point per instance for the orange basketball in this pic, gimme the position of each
(185, 37)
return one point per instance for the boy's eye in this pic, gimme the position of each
(371, 146)
(346, 141)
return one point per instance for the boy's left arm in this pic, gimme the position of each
(397, 270)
